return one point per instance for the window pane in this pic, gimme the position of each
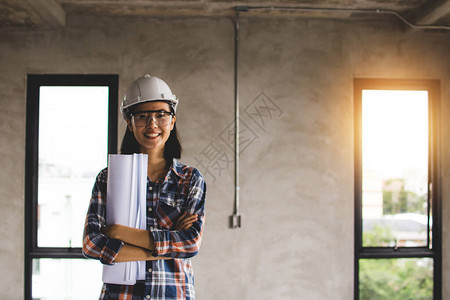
(56, 279)
(395, 168)
(73, 142)
(396, 279)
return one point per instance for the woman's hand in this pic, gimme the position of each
(185, 221)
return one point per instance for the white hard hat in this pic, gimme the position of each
(146, 89)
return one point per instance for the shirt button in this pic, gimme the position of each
(150, 209)
(150, 269)
(150, 188)
(148, 296)
(151, 227)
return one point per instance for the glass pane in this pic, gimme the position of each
(64, 279)
(73, 147)
(395, 168)
(396, 279)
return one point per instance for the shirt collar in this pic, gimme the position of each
(177, 168)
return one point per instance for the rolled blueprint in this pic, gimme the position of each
(125, 205)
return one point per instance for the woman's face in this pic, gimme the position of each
(152, 136)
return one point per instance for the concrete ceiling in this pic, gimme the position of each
(53, 13)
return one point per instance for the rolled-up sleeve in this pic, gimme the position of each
(96, 245)
(185, 243)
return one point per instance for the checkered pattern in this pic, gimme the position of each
(183, 189)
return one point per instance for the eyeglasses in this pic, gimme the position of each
(144, 118)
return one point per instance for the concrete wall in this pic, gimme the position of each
(297, 168)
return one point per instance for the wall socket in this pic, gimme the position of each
(235, 221)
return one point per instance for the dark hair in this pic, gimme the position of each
(172, 148)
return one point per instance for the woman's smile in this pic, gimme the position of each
(152, 135)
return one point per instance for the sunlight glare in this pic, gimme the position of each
(395, 131)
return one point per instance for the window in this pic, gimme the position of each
(71, 128)
(397, 189)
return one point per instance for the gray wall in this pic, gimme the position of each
(297, 169)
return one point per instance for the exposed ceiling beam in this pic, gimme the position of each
(50, 12)
(431, 15)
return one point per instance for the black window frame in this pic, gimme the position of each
(434, 177)
(34, 82)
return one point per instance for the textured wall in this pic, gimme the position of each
(297, 163)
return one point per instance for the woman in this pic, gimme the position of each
(175, 202)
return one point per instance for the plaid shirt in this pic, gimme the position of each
(183, 189)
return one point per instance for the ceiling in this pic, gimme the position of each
(53, 13)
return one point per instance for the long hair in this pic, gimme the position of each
(172, 148)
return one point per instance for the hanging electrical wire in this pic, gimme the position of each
(235, 219)
(344, 10)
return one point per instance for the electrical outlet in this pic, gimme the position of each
(235, 221)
